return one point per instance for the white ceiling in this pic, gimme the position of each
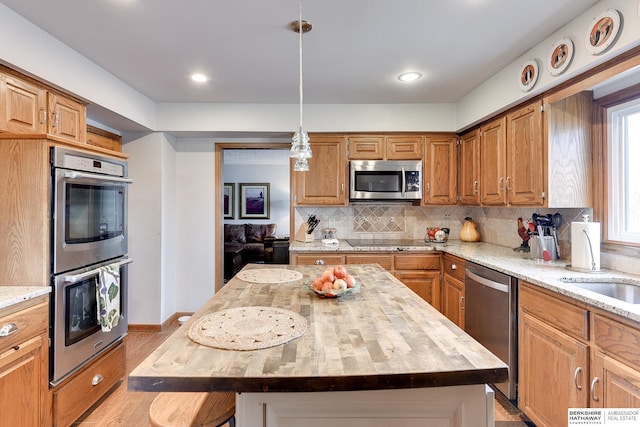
(353, 54)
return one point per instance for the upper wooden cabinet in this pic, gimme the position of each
(23, 106)
(326, 181)
(469, 168)
(67, 118)
(27, 107)
(385, 147)
(512, 159)
(440, 170)
(104, 139)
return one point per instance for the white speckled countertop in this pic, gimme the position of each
(547, 275)
(10, 295)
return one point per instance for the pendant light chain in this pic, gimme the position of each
(300, 31)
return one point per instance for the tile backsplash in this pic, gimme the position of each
(404, 221)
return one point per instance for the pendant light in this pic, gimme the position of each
(300, 148)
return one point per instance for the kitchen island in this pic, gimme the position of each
(377, 356)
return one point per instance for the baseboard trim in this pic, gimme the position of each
(159, 328)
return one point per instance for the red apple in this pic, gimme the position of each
(339, 271)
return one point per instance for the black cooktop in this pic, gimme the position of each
(361, 243)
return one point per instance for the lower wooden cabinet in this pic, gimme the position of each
(424, 283)
(24, 367)
(452, 304)
(572, 355)
(73, 397)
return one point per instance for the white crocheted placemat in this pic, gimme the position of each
(269, 275)
(247, 328)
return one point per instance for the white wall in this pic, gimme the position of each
(169, 230)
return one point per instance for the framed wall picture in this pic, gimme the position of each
(229, 200)
(528, 75)
(603, 32)
(560, 56)
(254, 200)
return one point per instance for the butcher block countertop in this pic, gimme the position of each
(381, 336)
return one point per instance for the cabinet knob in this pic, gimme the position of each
(319, 262)
(454, 267)
(97, 379)
(8, 329)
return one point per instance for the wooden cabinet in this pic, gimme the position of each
(316, 258)
(84, 388)
(469, 168)
(512, 159)
(24, 366)
(325, 182)
(30, 107)
(452, 304)
(23, 106)
(103, 139)
(384, 147)
(67, 118)
(594, 354)
(440, 172)
(525, 156)
(24, 212)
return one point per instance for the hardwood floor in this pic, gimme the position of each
(122, 407)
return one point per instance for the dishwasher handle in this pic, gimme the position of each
(488, 283)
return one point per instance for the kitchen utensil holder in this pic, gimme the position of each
(302, 234)
(536, 249)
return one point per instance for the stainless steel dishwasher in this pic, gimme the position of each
(491, 317)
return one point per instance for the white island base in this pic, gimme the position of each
(456, 406)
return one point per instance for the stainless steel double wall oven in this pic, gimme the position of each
(89, 231)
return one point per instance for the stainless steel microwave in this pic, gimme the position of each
(385, 180)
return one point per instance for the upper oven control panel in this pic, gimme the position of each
(74, 160)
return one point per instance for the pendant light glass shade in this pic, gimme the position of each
(300, 148)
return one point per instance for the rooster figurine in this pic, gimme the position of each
(524, 235)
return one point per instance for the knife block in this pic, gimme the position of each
(301, 234)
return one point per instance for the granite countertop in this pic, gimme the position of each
(547, 275)
(10, 295)
(380, 336)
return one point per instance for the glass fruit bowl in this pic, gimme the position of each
(331, 293)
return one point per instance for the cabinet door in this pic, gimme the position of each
(366, 147)
(405, 147)
(23, 384)
(453, 300)
(325, 182)
(493, 151)
(440, 170)
(424, 283)
(469, 169)
(553, 372)
(615, 385)
(525, 156)
(317, 259)
(67, 118)
(22, 106)
(384, 260)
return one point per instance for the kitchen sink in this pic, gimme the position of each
(614, 288)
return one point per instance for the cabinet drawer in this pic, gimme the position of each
(75, 396)
(561, 315)
(323, 259)
(28, 323)
(385, 261)
(454, 266)
(617, 339)
(416, 262)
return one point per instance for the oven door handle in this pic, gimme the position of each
(80, 175)
(79, 277)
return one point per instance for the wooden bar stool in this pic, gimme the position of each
(193, 409)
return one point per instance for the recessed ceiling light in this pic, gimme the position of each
(199, 77)
(410, 76)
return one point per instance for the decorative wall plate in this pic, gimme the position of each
(603, 32)
(528, 75)
(560, 56)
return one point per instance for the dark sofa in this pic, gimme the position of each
(251, 237)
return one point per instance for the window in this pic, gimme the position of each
(623, 173)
